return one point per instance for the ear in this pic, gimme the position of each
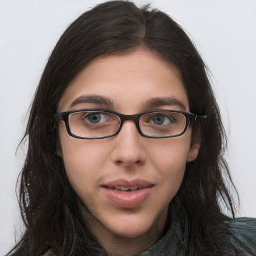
(195, 145)
(193, 152)
(58, 151)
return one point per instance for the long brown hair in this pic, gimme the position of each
(47, 201)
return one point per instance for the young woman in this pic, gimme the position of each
(126, 144)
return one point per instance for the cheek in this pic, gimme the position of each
(82, 159)
(170, 159)
(170, 153)
(79, 152)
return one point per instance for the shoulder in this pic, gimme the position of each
(242, 235)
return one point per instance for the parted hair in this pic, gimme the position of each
(49, 205)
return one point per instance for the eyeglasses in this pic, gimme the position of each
(100, 123)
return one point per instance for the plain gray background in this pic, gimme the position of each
(224, 33)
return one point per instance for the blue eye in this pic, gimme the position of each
(160, 119)
(95, 118)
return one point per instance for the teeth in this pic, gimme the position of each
(135, 188)
(122, 188)
(127, 188)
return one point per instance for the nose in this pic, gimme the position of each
(129, 149)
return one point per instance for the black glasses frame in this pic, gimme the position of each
(190, 119)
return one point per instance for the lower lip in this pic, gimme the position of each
(127, 198)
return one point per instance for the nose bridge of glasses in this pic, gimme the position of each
(134, 118)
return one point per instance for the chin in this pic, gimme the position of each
(133, 228)
(132, 232)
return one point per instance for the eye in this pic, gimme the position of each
(95, 118)
(161, 119)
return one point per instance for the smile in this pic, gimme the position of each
(127, 193)
(122, 188)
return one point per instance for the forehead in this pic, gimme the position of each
(128, 81)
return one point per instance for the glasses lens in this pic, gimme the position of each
(93, 124)
(162, 124)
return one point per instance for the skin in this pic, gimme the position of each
(129, 81)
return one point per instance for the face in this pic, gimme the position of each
(100, 169)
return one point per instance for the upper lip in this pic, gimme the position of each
(128, 183)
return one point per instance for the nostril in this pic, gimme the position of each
(128, 157)
(127, 162)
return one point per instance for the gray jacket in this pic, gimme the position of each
(242, 236)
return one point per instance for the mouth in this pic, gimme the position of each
(126, 189)
(127, 193)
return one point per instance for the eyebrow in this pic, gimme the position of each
(108, 103)
(96, 99)
(164, 101)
